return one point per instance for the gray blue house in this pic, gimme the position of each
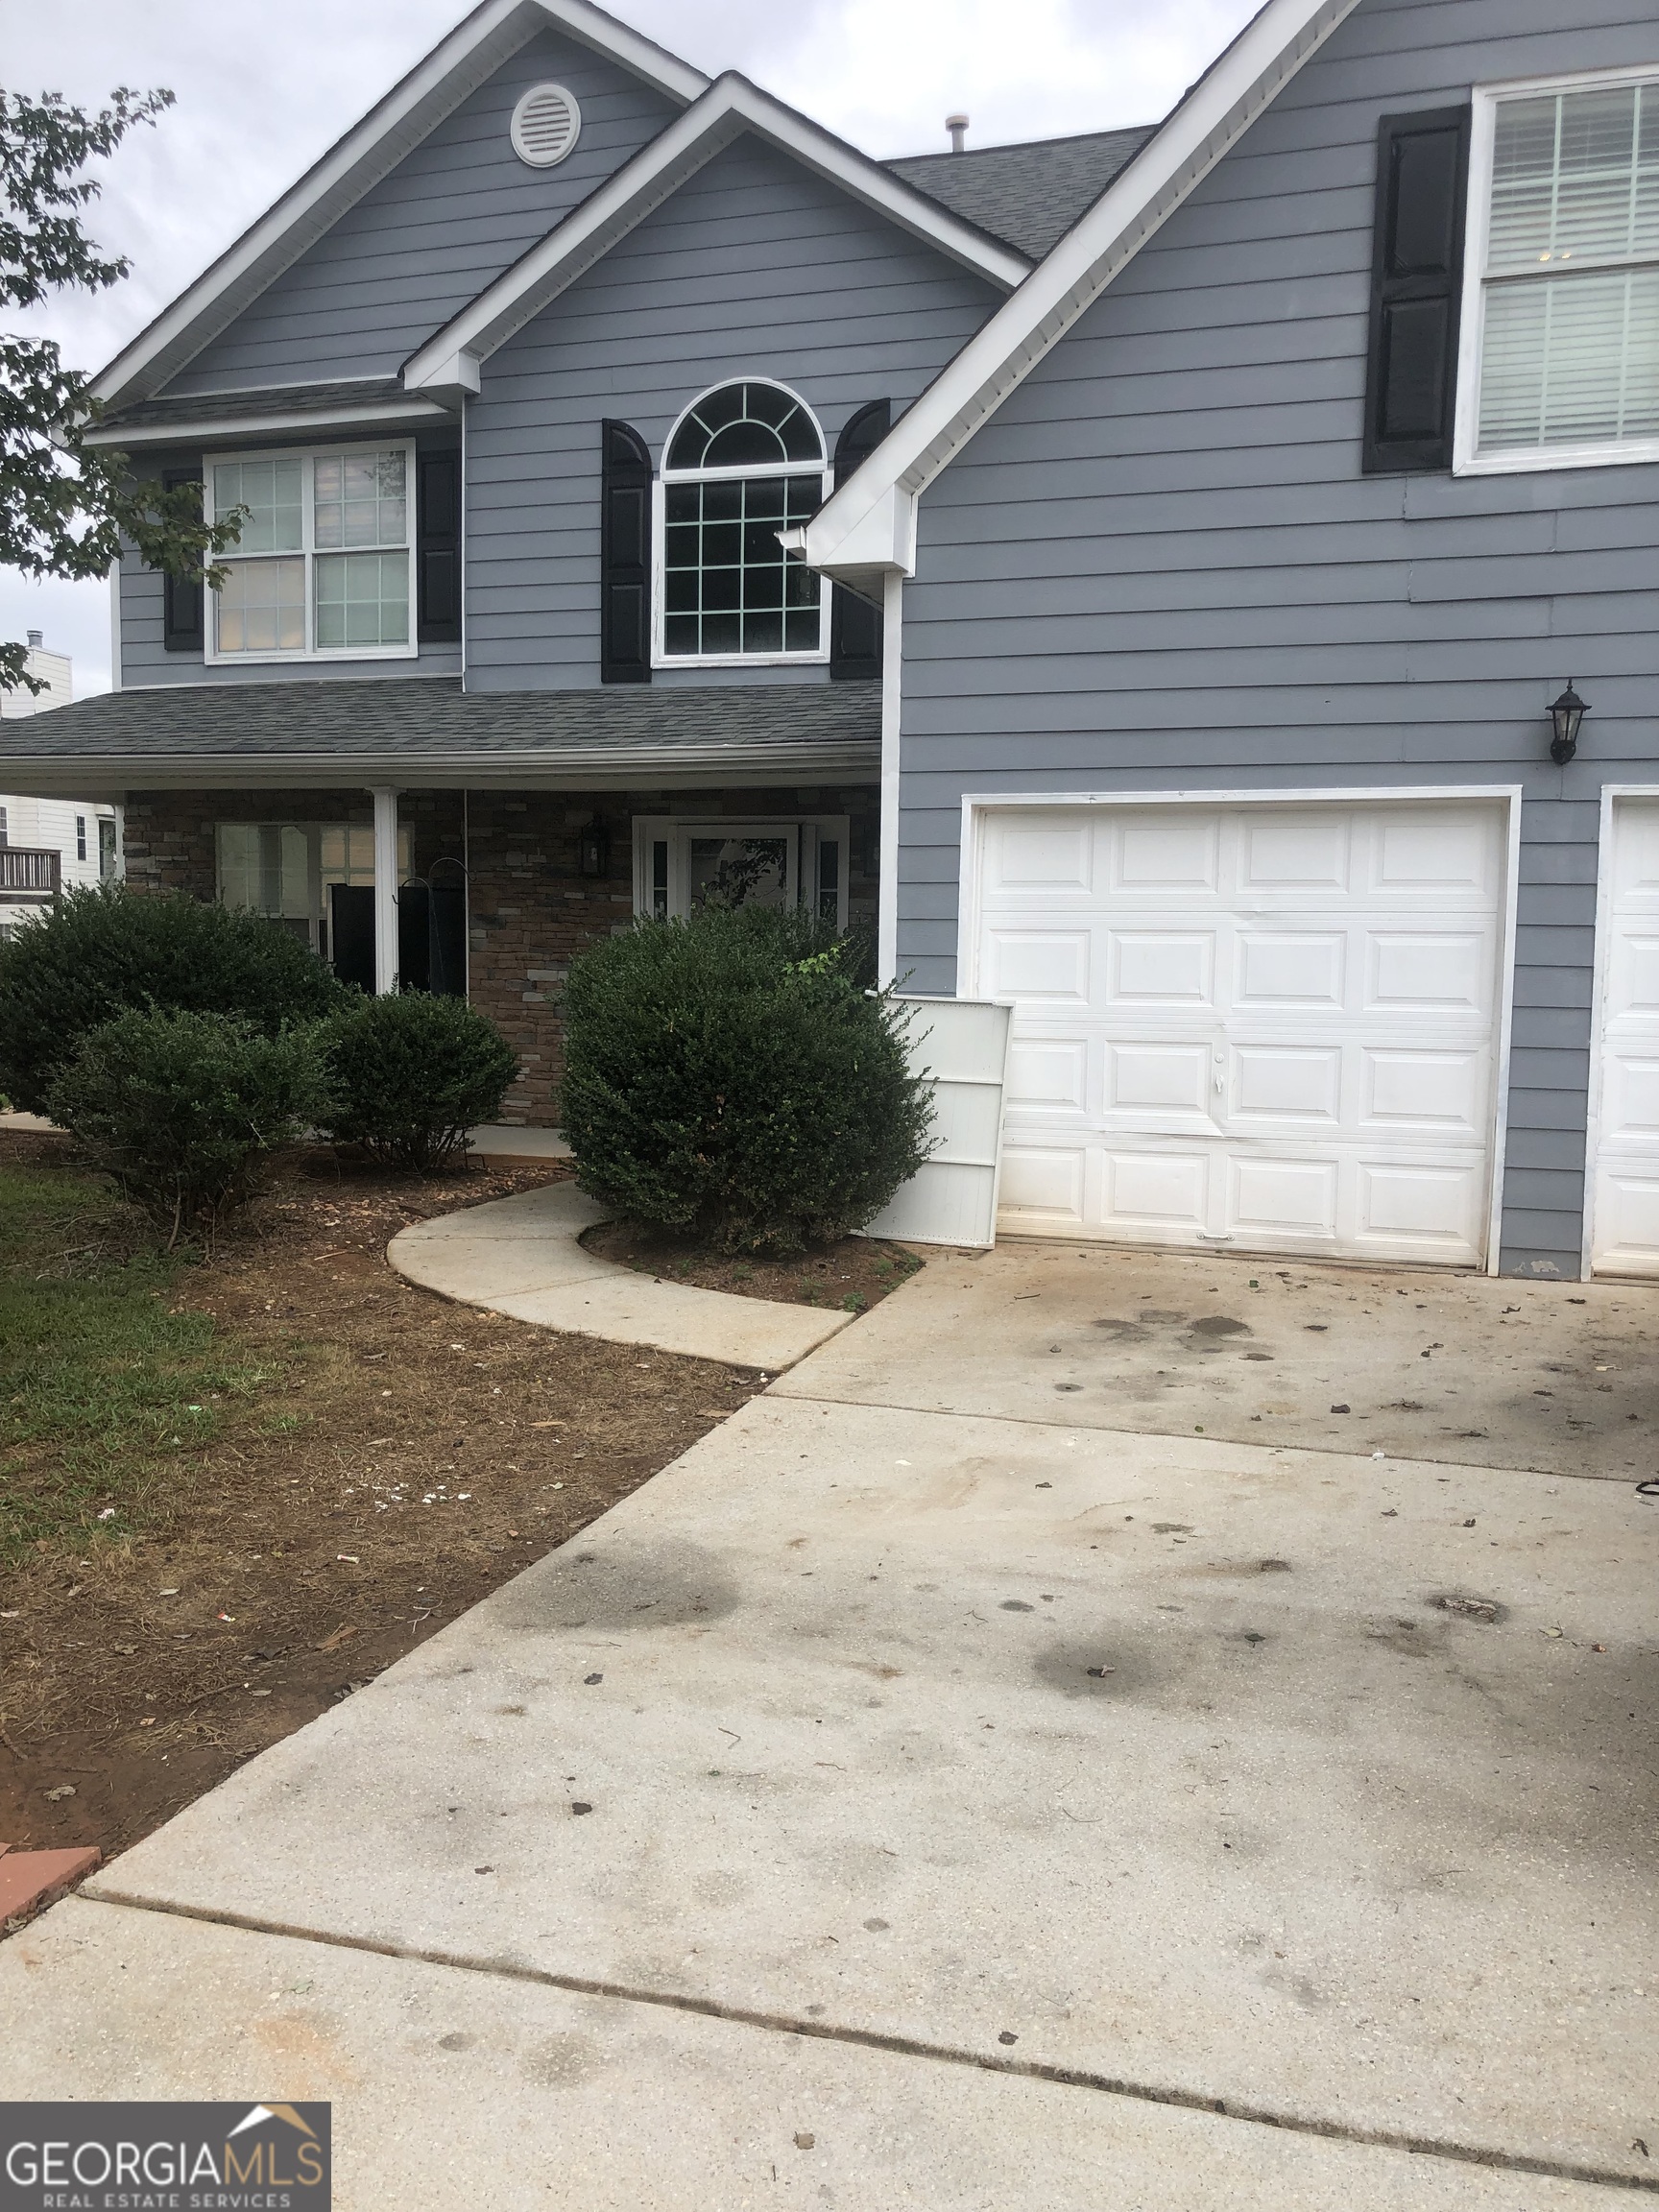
(1151, 574)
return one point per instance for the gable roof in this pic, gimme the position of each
(455, 69)
(1030, 193)
(866, 529)
(448, 362)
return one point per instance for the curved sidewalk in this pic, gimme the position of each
(523, 1257)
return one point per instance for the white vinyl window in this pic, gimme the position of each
(743, 463)
(1560, 362)
(325, 563)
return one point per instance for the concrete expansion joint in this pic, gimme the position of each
(898, 2046)
(1215, 1443)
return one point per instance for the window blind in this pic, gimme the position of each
(1569, 351)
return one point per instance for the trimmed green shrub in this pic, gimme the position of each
(104, 949)
(410, 1075)
(729, 1078)
(182, 1108)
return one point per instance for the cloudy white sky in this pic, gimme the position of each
(264, 86)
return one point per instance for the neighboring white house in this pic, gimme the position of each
(49, 844)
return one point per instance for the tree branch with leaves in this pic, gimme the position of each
(68, 507)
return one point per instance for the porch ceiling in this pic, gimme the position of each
(429, 732)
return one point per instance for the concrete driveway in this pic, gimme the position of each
(958, 1783)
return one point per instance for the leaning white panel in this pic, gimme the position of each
(961, 1046)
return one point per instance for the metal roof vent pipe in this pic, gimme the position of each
(957, 126)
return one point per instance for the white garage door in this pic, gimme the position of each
(1260, 1025)
(1624, 1232)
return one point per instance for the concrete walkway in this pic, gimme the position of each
(523, 1257)
(946, 1809)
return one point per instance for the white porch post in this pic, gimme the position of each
(385, 798)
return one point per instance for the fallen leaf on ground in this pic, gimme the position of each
(64, 1789)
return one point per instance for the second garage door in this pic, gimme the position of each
(1269, 1027)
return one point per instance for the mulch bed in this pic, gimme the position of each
(855, 1273)
(406, 1456)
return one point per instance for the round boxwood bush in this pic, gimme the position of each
(106, 949)
(410, 1075)
(182, 1108)
(729, 1078)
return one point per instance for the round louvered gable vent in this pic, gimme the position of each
(546, 124)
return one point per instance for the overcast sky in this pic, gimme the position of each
(265, 85)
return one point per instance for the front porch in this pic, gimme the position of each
(491, 894)
(422, 835)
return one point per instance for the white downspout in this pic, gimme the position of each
(892, 705)
(385, 798)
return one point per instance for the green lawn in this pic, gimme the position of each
(105, 1387)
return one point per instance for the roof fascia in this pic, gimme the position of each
(219, 427)
(868, 527)
(730, 108)
(455, 69)
(596, 767)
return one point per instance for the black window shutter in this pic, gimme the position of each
(438, 546)
(1416, 290)
(624, 556)
(855, 625)
(181, 602)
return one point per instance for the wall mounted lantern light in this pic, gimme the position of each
(1566, 713)
(594, 846)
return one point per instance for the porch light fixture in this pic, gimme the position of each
(594, 847)
(1566, 712)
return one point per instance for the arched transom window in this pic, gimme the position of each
(742, 464)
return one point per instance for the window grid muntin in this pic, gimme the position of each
(1604, 405)
(294, 625)
(691, 630)
(727, 584)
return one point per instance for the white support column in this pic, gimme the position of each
(892, 708)
(385, 798)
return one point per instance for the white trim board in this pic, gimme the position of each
(868, 526)
(455, 69)
(395, 413)
(976, 805)
(448, 362)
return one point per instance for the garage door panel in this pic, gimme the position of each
(1271, 1025)
(1628, 1202)
(1633, 974)
(1436, 1207)
(1283, 1198)
(1409, 1090)
(1048, 1073)
(1047, 966)
(1297, 851)
(1625, 1176)
(1163, 966)
(1294, 969)
(1051, 855)
(1158, 1078)
(1164, 1191)
(1631, 1095)
(1422, 972)
(1450, 854)
(1043, 1179)
(1155, 852)
(1288, 1083)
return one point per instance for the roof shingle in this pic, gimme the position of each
(1029, 195)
